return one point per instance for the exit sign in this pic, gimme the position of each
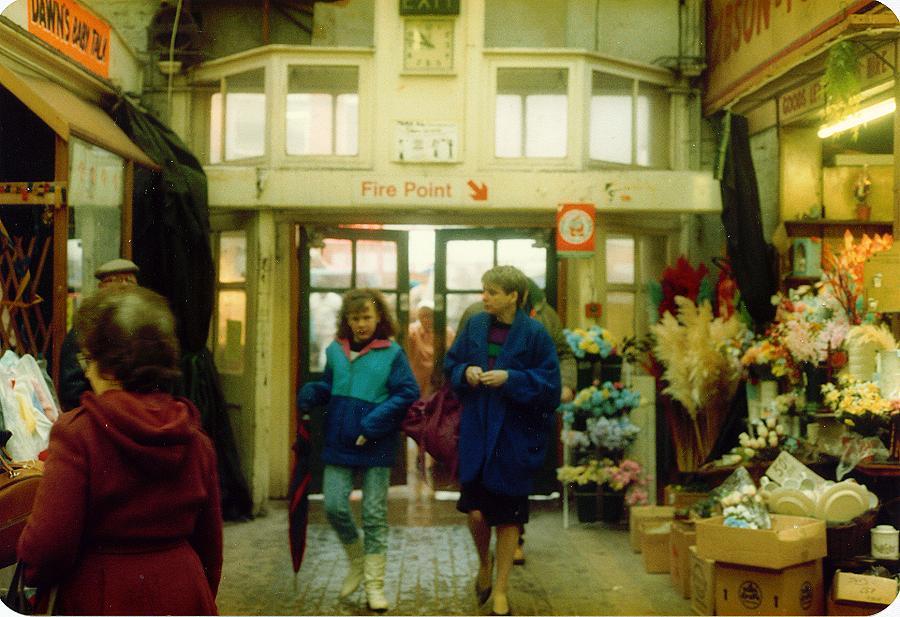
(429, 7)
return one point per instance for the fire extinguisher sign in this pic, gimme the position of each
(575, 230)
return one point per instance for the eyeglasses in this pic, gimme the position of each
(83, 360)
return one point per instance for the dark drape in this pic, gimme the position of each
(171, 247)
(754, 262)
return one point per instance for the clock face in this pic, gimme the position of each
(428, 45)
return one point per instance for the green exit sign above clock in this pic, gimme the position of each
(429, 7)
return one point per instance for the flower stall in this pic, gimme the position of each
(798, 416)
(597, 431)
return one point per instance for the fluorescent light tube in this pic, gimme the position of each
(862, 116)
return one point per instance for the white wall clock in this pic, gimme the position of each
(428, 45)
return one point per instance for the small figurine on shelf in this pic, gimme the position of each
(861, 189)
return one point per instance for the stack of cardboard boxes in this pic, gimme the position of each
(775, 571)
(741, 571)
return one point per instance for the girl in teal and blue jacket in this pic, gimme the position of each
(368, 386)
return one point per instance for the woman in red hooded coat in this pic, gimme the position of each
(127, 519)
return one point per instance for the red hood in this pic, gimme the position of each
(153, 431)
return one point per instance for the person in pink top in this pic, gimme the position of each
(420, 350)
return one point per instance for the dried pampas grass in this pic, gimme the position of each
(702, 364)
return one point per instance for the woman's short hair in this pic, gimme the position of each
(509, 279)
(129, 332)
(356, 301)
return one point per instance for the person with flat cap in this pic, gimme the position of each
(72, 381)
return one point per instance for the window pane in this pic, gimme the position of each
(620, 313)
(544, 133)
(331, 265)
(245, 115)
(309, 124)
(467, 260)
(96, 186)
(456, 305)
(322, 110)
(231, 331)
(523, 254)
(323, 312)
(215, 128)
(611, 119)
(346, 118)
(546, 119)
(232, 257)
(376, 264)
(620, 260)
(652, 126)
(508, 126)
(392, 305)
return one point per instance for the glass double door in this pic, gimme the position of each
(335, 260)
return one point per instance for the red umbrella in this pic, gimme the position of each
(298, 494)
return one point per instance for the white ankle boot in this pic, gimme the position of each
(354, 576)
(374, 573)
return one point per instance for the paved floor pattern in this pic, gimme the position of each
(587, 569)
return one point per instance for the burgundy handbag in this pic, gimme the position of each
(433, 423)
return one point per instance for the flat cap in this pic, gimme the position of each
(116, 266)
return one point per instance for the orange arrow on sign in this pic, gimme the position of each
(479, 191)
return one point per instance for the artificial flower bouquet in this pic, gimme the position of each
(766, 358)
(611, 398)
(809, 327)
(765, 438)
(627, 476)
(842, 273)
(860, 406)
(594, 342)
(601, 437)
(741, 503)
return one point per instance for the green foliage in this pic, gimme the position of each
(841, 81)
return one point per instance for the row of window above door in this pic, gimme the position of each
(574, 115)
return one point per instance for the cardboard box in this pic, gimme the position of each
(790, 541)
(748, 590)
(641, 515)
(655, 547)
(681, 499)
(858, 594)
(680, 540)
(703, 583)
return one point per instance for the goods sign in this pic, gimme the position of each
(73, 30)
(575, 230)
(809, 96)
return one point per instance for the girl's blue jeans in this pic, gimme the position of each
(337, 483)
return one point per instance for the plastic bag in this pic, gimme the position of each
(857, 449)
(742, 505)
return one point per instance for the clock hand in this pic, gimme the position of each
(423, 40)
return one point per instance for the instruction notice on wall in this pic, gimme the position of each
(421, 142)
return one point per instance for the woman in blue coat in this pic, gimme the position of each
(504, 368)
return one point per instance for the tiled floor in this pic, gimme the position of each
(588, 569)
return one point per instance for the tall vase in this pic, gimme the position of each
(588, 369)
(586, 502)
(816, 377)
(612, 505)
(611, 369)
(861, 360)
